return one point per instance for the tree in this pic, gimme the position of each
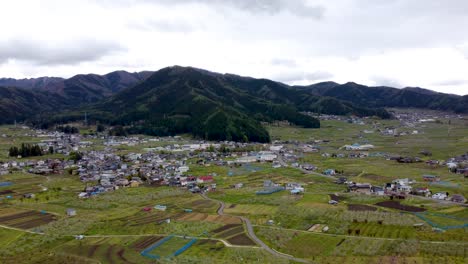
(51, 150)
(100, 128)
(75, 156)
(13, 152)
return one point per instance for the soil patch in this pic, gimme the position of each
(397, 205)
(337, 198)
(241, 240)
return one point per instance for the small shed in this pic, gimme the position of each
(160, 207)
(71, 212)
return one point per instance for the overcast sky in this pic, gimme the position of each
(374, 42)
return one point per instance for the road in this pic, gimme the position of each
(252, 235)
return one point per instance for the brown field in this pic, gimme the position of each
(6, 192)
(361, 207)
(231, 232)
(147, 218)
(145, 242)
(209, 218)
(397, 205)
(106, 252)
(337, 198)
(25, 219)
(241, 240)
(224, 228)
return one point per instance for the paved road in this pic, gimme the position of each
(251, 233)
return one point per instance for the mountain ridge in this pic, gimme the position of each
(207, 104)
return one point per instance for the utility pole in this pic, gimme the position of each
(86, 118)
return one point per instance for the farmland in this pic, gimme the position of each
(361, 228)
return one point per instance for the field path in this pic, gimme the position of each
(252, 233)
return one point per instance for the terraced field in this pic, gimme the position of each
(24, 219)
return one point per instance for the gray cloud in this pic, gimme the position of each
(45, 53)
(295, 7)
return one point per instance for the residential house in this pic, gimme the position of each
(457, 198)
(360, 188)
(422, 192)
(205, 179)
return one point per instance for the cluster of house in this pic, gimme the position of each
(112, 171)
(268, 156)
(399, 188)
(48, 166)
(458, 164)
(358, 147)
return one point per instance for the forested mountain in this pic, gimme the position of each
(88, 88)
(20, 104)
(381, 96)
(209, 105)
(31, 83)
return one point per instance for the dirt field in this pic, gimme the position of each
(224, 228)
(337, 198)
(145, 242)
(241, 240)
(25, 219)
(397, 205)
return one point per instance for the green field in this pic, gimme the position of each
(115, 222)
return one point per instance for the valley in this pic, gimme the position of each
(355, 190)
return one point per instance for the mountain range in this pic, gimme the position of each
(382, 96)
(206, 104)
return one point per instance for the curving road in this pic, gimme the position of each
(252, 235)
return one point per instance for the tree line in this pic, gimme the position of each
(26, 150)
(68, 129)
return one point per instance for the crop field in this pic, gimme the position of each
(168, 248)
(250, 209)
(222, 219)
(104, 250)
(361, 207)
(399, 206)
(362, 228)
(379, 230)
(324, 248)
(145, 242)
(24, 219)
(241, 240)
(143, 218)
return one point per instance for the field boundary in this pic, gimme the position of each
(423, 217)
(145, 252)
(361, 237)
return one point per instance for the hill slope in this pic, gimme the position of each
(382, 96)
(19, 104)
(208, 105)
(88, 88)
(32, 83)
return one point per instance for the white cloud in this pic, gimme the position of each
(374, 42)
